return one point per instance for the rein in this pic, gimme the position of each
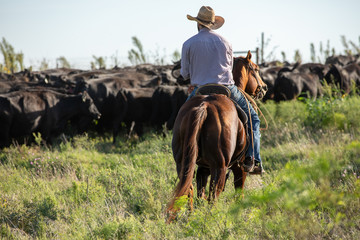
(255, 106)
(250, 98)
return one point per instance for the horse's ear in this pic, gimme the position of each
(248, 57)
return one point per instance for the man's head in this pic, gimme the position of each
(206, 17)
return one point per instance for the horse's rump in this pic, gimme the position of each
(209, 133)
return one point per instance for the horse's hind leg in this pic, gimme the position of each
(202, 176)
(217, 183)
(239, 176)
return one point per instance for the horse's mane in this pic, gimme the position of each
(243, 59)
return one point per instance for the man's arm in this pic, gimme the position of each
(185, 62)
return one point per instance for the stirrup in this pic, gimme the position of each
(248, 164)
(257, 169)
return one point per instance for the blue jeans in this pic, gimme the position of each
(238, 97)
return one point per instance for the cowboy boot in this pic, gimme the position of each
(248, 164)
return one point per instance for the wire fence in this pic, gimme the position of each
(256, 52)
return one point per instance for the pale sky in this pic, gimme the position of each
(79, 29)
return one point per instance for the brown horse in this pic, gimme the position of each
(208, 133)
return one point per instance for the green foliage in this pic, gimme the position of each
(119, 229)
(354, 49)
(62, 62)
(320, 112)
(283, 55)
(98, 63)
(44, 65)
(312, 52)
(137, 55)
(89, 188)
(302, 193)
(37, 137)
(176, 56)
(13, 62)
(323, 53)
(297, 56)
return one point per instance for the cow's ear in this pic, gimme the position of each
(248, 57)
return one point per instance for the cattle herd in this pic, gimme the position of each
(295, 80)
(132, 99)
(48, 102)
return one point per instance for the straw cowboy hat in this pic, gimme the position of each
(207, 18)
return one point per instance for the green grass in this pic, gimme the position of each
(87, 188)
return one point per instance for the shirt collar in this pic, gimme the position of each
(205, 29)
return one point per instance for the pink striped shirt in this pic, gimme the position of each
(207, 57)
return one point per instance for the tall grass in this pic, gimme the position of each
(87, 188)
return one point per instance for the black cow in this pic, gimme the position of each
(134, 108)
(317, 68)
(177, 100)
(10, 86)
(161, 105)
(269, 75)
(342, 60)
(103, 91)
(27, 111)
(290, 85)
(343, 77)
(167, 101)
(105, 88)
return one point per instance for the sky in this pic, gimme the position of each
(81, 29)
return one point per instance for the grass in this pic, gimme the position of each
(87, 188)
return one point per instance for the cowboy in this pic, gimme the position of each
(207, 58)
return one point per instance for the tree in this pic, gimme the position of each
(345, 44)
(137, 56)
(348, 50)
(62, 62)
(325, 53)
(98, 63)
(283, 56)
(176, 56)
(297, 56)
(12, 61)
(312, 52)
(44, 64)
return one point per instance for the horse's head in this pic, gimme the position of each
(246, 76)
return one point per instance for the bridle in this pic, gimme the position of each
(249, 66)
(259, 88)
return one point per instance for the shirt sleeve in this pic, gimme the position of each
(185, 61)
(231, 55)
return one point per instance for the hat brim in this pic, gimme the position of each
(219, 21)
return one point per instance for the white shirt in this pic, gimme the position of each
(206, 58)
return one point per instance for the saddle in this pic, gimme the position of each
(211, 88)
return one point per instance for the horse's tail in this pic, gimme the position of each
(190, 151)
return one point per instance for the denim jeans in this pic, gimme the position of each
(237, 96)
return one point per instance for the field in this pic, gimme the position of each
(87, 188)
